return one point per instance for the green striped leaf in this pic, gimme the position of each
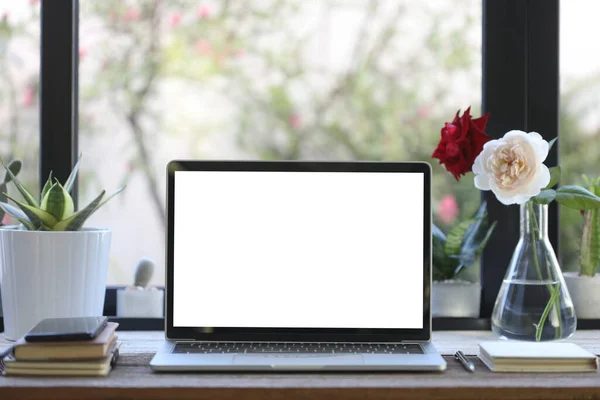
(72, 176)
(17, 214)
(36, 215)
(455, 237)
(58, 202)
(76, 221)
(46, 187)
(475, 238)
(119, 190)
(26, 195)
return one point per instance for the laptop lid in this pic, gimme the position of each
(298, 251)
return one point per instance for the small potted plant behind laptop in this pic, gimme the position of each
(141, 300)
(584, 285)
(51, 265)
(453, 254)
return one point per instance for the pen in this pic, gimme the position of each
(468, 365)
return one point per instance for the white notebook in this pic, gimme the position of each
(512, 356)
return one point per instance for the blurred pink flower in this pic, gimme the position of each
(203, 47)
(294, 120)
(34, 2)
(423, 111)
(82, 53)
(175, 19)
(448, 209)
(29, 96)
(240, 52)
(203, 12)
(132, 14)
(5, 220)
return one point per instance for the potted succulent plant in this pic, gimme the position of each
(51, 266)
(141, 300)
(15, 167)
(584, 285)
(453, 254)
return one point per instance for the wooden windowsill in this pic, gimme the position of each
(132, 378)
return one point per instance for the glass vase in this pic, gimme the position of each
(533, 303)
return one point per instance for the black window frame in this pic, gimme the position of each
(520, 87)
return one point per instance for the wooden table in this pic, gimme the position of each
(132, 378)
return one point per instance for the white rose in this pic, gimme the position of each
(513, 167)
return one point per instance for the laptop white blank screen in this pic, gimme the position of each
(298, 249)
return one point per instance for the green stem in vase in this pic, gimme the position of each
(554, 296)
(553, 291)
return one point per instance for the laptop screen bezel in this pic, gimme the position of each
(298, 334)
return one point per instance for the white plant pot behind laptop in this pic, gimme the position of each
(51, 275)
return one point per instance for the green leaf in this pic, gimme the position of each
(35, 215)
(58, 202)
(17, 214)
(455, 237)
(72, 176)
(46, 187)
(3, 190)
(577, 197)
(443, 266)
(15, 167)
(551, 143)
(119, 190)
(76, 221)
(438, 239)
(589, 255)
(554, 176)
(486, 238)
(26, 195)
(545, 197)
(475, 239)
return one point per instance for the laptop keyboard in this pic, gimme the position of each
(294, 347)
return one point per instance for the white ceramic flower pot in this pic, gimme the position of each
(140, 303)
(455, 298)
(51, 275)
(585, 293)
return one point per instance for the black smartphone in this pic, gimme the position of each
(59, 329)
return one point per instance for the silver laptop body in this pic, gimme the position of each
(298, 266)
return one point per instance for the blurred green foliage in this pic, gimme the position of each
(387, 101)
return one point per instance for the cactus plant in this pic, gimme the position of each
(54, 211)
(589, 255)
(143, 272)
(458, 250)
(15, 167)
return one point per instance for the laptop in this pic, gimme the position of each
(298, 266)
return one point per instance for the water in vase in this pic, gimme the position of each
(525, 302)
(534, 303)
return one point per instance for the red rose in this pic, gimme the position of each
(461, 142)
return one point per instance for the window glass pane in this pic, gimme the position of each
(19, 88)
(579, 112)
(265, 79)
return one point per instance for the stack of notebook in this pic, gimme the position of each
(513, 356)
(76, 358)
